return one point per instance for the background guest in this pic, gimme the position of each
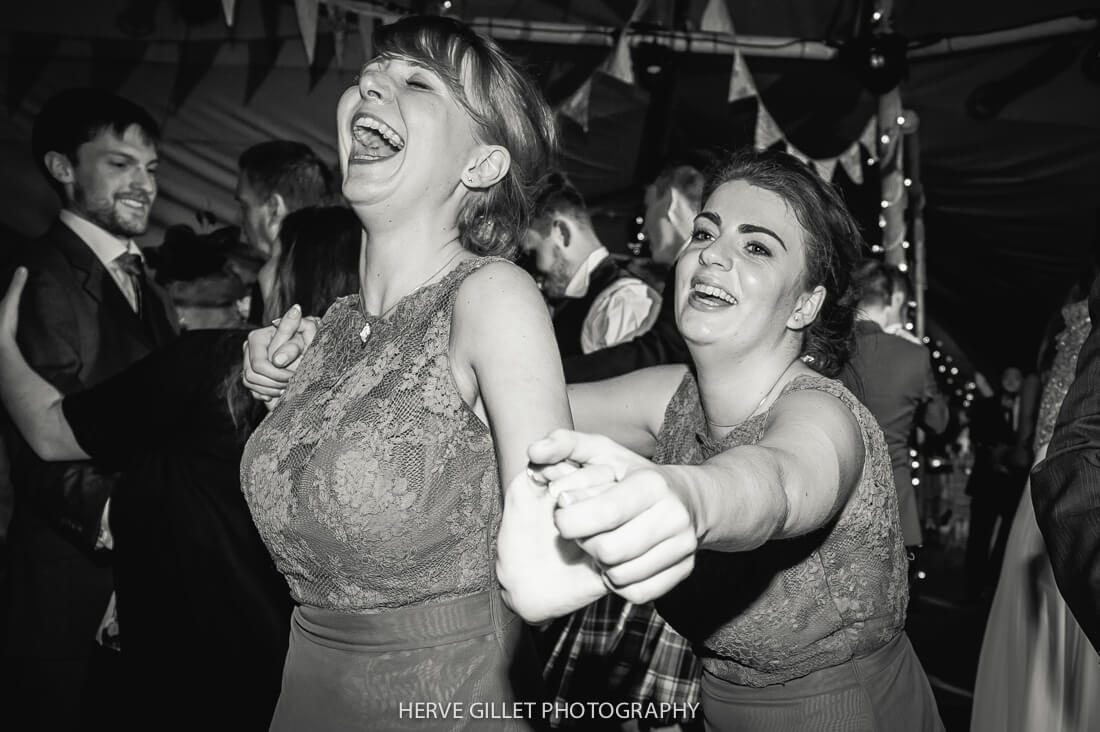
(893, 378)
(596, 301)
(671, 200)
(205, 612)
(89, 311)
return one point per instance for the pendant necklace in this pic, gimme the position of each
(759, 405)
(366, 332)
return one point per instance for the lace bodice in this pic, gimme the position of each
(1068, 346)
(373, 484)
(796, 605)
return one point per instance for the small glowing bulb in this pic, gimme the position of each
(885, 139)
(915, 464)
(903, 267)
(870, 161)
(941, 368)
(904, 244)
(641, 236)
(926, 339)
(876, 16)
(639, 220)
(446, 4)
(885, 203)
(901, 120)
(882, 222)
(935, 354)
(916, 481)
(876, 249)
(908, 326)
(921, 574)
(907, 182)
(954, 370)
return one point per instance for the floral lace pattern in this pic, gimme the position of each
(373, 484)
(1068, 346)
(791, 606)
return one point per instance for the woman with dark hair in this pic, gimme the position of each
(762, 518)
(203, 613)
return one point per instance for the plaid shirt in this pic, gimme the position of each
(615, 651)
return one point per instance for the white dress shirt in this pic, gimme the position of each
(625, 309)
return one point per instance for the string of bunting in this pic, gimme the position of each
(716, 19)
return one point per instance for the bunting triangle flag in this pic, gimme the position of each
(269, 15)
(323, 54)
(741, 84)
(767, 129)
(851, 160)
(796, 152)
(195, 59)
(34, 51)
(262, 54)
(576, 106)
(366, 35)
(716, 18)
(114, 60)
(825, 168)
(619, 63)
(339, 33)
(307, 24)
(228, 6)
(867, 138)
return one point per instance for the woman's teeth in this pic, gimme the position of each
(714, 292)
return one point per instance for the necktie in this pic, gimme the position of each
(132, 265)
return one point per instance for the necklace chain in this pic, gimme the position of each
(365, 333)
(759, 405)
(423, 282)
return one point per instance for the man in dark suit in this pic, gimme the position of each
(892, 375)
(1065, 487)
(88, 311)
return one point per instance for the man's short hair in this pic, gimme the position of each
(290, 169)
(685, 178)
(556, 195)
(875, 282)
(76, 116)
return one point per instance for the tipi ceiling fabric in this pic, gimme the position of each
(1013, 202)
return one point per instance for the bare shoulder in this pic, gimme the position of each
(498, 276)
(499, 292)
(813, 408)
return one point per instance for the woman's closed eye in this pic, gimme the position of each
(418, 83)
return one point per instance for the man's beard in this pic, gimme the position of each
(557, 279)
(105, 214)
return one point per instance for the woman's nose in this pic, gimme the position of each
(714, 254)
(375, 86)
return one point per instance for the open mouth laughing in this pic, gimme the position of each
(374, 139)
(710, 294)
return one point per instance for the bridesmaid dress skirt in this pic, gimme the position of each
(454, 665)
(885, 690)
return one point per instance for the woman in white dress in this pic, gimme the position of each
(1037, 670)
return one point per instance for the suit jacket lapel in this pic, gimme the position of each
(99, 284)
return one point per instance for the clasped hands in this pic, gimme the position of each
(588, 516)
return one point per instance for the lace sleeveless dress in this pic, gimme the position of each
(1037, 669)
(802, 633)
(375, 488)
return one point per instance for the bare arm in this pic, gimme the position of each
(646, 528)
(33, 403)
(629, 408)
(507, 365)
